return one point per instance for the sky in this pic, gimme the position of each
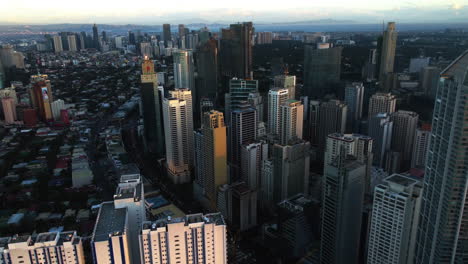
(153, 12)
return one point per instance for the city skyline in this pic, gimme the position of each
(362, 11)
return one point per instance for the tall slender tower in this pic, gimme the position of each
(291, 122)
(151, 100)
(167, 33)
(186, 95)
(405, 124)
(183, 69)
(354, 97)
(276, 97)
(387, 56)
(443, 228)
(380, 128)
(381, 103)
(96, 41)
(288, 82)
(332, 119)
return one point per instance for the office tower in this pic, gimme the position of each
(288, 82)
(167, 33)
(56, 107)
(2, 76)
(276, 98)
(64, 37)
(183, 69)
(380, 128)
(429, 79)
(58, 44)
(387, 55)
(146, 50)
(242, 130)
(252, 156)
(119, 42)
(354, 98)
(332, 119)
(370, 68)
(6, 52)
(242, 206)
(443, 230)
(291, 121)
(41, 95)
(9, 109)
(420, 147)
(239, 91)
(104, 36)
(322, 69)
(151, 106)
(290, 170)
(118, 223)
(417, 64)
(236, 51)
(404, 130)
(313, 119)
(212, 156)
(96, 40)
(206, 58)
(178, 148)
(131, 38)
(72, 43)
(394, 222)
(381, 103)
(264, 38)
(342, 204)
(181, 30)
(256, 101)
(82, 40)
(9, 92)
(18, 60)
(195, 238)
(206, 105)
(186, 95)
(51, 247)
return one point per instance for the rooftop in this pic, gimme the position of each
(46, 237)
(215, 218)
(110, 222)
(401, 180)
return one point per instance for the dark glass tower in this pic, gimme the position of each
(96, 43)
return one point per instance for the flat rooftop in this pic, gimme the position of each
(110, 222)
(401, 180)
(215, 218)
(46, 237)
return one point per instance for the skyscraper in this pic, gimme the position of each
(332, 119)
(342, 203)
(252, 156)
(178, 128)
(381, 103)
(405, 124)
(96, 40)
(387, 55)
(276, 98)
(380, 128)
(72, 43)
(291, 121)
(183, 69)
(394, 222)
(57, 106)
(212, 156)
(58, 47)
(288, 82)
(2, 76)
(354, 97)
(195, 238)
(167, 33)
(151, 106)
(9, 109)
(322, 69)
(206, 59)
(239, 91)
(429, 78)
(443, 231)
(41, 95)
(236, 51)
(420, 146)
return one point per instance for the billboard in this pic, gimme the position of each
(45, 93)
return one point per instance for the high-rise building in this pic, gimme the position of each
(151, 106)
(443, 232)
(211, 159)
(56, 107)
(420, 147)
(242, 130)
(429, 79)
(41, 95)
(51, 247)
(183, 69)
(236, 51)
(96, 40)
(276, 98)
(2, 76)
(72, 43)
(239, 91)
(291, 121)
(322, 69)
(256, 101)
(252, 156)
(167, 33)
(312, 121)
(405, 124)
(417, 64)
(354, 99)
(206, 59)
(332, 119)
(195, 238)
(242, 206)
(380, 128)
(181, 30)
(146, 50)
(9, 92)
(381, 103)
(290, 170)
(58, 47)
(342, 204)
(9, 109)
(118, 223)
(394, 222)
(178, 128)
(264, 38)
(387, 55)
(288, 82)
